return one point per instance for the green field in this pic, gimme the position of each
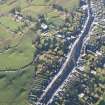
(18, 56)
(14, 86)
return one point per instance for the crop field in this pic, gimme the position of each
(16, 48)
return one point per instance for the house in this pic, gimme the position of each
(93, 47)
(80, 62)
(81, 68)
(70, 46)
(17, 12)
(44, 27)
(68, 38)
(93, 72)
(84, 7)
(17, 16)
(59, 36)
(81, 95)
(98, 53)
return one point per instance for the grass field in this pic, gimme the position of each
(8, 22)
(4, 33)
(18, 56)
(68, 4)
(14, 87)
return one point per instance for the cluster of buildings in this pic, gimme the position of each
(18, 17)
(87, 93)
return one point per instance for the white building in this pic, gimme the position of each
(81, 95)
(44, 26)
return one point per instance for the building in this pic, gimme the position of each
(44, 27)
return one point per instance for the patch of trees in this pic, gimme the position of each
(58, 7)
(18, 9)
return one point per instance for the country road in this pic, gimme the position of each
(68, 65)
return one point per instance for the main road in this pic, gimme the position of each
(68, 65)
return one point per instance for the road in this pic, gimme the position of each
(70, 74)
(68, 65)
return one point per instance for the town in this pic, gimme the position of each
(52, 52)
